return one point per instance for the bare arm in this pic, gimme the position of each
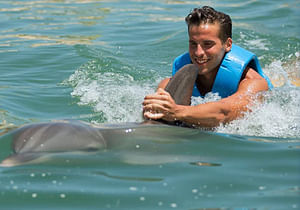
(163, 83)
(161, 105)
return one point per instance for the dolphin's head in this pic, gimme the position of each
(57, 137)
(34, 141)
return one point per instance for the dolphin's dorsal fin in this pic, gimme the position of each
(182, 84)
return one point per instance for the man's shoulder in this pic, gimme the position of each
(240, 53)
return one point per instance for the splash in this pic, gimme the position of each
(279, 114)
(209, 97)
(116, 94)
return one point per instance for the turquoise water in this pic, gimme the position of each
(96, 60)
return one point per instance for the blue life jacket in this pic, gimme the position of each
(230, 72)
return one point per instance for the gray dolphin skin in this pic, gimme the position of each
(34, 141)
(182, 84)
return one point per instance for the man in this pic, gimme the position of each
(223, 68)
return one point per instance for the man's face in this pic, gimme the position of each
(206, 48)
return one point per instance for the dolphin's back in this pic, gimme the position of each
(57, 137)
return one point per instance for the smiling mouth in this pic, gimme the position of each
(201, 61)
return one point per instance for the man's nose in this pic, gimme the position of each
(199, 50)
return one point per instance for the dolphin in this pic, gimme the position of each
(33, 142)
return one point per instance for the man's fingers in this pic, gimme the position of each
(157, 97)
(155, 102)
(153, 116)
(155, 107)
(160, 94)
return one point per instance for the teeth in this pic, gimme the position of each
(201, 61)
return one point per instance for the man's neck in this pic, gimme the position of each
(205, 82)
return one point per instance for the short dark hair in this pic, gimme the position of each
(208, 14)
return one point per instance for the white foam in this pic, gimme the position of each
(258, 44)
(209, 97)
(253, 41)
(279, 114)
(117, 95)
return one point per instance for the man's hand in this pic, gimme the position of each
(160, 106)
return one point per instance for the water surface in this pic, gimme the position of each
(96, 60)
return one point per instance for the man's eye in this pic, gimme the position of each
(192, 43)
(208, 44)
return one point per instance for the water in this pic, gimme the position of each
(96, 60)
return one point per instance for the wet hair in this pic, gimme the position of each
(207, 14)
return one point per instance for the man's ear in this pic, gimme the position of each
(228, 44)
